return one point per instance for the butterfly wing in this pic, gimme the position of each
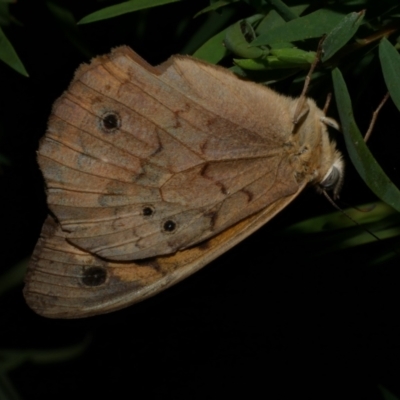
(66, 282)
(142, 161)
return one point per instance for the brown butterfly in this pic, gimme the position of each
(153, 172)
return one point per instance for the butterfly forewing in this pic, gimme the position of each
(128, 136)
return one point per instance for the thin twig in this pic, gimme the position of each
(375, 116)
(327, 102)
(302, 97)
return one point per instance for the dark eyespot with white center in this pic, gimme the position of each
(147, 211)
(94, 276)
(169, 226)
(110, 122)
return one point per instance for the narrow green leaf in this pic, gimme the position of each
(311, 25)
(123, 8)
(341, 34)
(390, 62)
(13, 277)
(215, 6)
(271, 21)
(13, 358)
(294, 55)
(67, 23)
(362, 159)
(7, 390)
(255, 64)
(213, 50)
(387, 394)
(63, 15)
(286, 12)
(335, 231)
(9, 55)
(279, 58)
(328, 242)
(370, 213)
(5, 16)
(212, 25)
(235, 41)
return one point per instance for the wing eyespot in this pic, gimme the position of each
(94, 276)
(169, 226)
(110, 121)
(148, 211)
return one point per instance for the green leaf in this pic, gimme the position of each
(279, 58)
(213, 24)
(5, 16)
(9, 55)
(215, 6)
(362, 159)
(13, 277)
(273, 20)
(371, 213)
(256, 64)
(7, 390)
(387, 395)
(341, 34)
(235, 41)
(294, 55)
(212, 51)
(336, 231)
(390, 62)
(13, 358)
(66, 22)
(286, 12)
(123, 8)
(311, 25)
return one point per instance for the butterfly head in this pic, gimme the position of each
(322, 160)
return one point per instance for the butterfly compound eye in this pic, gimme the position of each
(331, 180)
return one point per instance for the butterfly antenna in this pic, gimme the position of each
(350, 218)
